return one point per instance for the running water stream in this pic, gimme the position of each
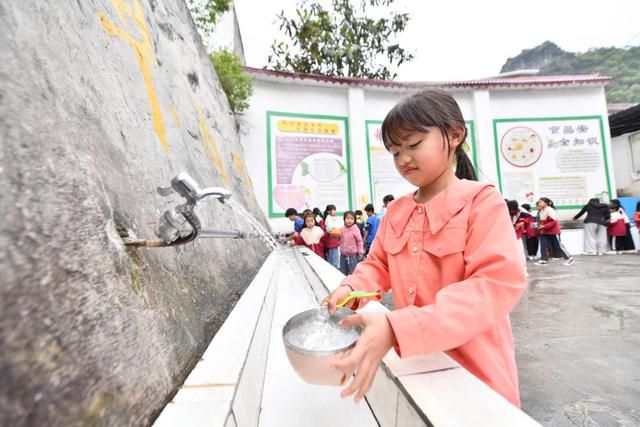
(260, 232)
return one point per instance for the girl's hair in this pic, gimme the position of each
(317, 211)
(638, 207)
(309, 215)
(617, 204)
(327, 209)
(349, 213)
(432, 107)
(549, 202)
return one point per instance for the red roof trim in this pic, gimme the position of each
(520, 81)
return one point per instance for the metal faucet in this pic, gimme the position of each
(188, 188)
(180, 224)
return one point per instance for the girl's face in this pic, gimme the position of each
(422, 157)
(349, 220)
(540, 204)
(309, 222)
(332, 212)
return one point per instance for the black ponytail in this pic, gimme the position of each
(464, 167)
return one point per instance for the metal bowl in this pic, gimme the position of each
(314, 366)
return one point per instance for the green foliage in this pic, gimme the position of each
(205, 14)
(620, 63)
(235, 83)
(341, 40)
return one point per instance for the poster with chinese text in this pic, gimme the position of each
(563, 159)
(308, 161)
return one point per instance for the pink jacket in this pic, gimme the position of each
(351, 241)
(454, 269)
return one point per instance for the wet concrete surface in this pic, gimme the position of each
(577, 333)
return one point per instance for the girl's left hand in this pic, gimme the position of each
(374, 343)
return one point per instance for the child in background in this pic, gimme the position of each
(519, 220)
(351, 249)
(549, 229)
(636, 216)
(311, 235)
(617, 228)
(331, 241)
(319, 217)
(360, 222)
(370, 227)
(448, 253)
(531, 233)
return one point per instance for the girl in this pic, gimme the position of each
(549, 229)
(519, 220)
(448, 253)
(618, 229)
(332, 239)
(319, 217)
(311, 235)
(351, 248)
(636, 216)
(531, 233)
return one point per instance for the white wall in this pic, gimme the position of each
(361, 103)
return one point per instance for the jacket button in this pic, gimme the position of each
(420, 211)
(416, 248)
(411, 291)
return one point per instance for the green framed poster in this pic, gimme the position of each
(308, 162)
(562, 158)
(383, 177)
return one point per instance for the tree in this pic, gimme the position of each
(205, 14)
(342, 40)
(235, 83)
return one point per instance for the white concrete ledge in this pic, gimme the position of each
(245, 379)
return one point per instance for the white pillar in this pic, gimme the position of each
(359, 165)
(487, 170)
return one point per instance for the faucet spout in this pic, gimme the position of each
(187, 187)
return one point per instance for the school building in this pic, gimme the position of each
(310, 140)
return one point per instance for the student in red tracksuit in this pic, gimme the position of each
(549, 229)
(531, 233)
(617, 228)
(311, 235)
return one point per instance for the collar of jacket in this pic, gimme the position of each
(439, 209)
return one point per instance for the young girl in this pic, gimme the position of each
(531, 233)
(351, 248)
(636, 216)
(448, 252)
(332, 239)
(311, 235)
(549, 229)
(618, 229)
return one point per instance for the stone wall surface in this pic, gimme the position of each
(101, 101)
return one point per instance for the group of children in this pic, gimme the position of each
(341, 242)
(543, 230)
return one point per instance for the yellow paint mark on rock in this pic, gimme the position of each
(176, 118)
(143, 53)
(210, 147)
(240, 170)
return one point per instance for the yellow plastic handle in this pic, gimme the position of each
(357, 294)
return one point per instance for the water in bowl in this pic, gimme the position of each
(322, 333)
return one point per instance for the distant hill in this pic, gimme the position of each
(621, 64)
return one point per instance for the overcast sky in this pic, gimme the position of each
(454, 40)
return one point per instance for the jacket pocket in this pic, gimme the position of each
(392, 244)
(448, 241)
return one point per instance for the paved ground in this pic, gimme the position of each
(577, 332)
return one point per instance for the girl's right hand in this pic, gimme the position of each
(339, 294)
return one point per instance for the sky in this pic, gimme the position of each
(456, 40)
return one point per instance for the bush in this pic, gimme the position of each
(235, 83)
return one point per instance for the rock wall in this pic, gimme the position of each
(101, 102)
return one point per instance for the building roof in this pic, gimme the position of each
(625, 121)
(518, 81)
